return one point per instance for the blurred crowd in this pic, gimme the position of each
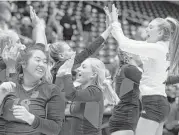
(60, 24)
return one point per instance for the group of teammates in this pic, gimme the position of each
(34, 92)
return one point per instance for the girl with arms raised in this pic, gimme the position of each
(162, 35)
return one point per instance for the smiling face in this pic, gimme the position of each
(36, 65)
(91, 72)
(153, 31)
(84, 72)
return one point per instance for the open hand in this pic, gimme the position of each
(66, 67)
(36, 21)
(114, 14)
(10, 54)
(108, 16)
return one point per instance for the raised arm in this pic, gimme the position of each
(91, 49)
(151, 50)
(91, 93)
(38, 32)
(52, 22)
(142, 48)
(55, 115)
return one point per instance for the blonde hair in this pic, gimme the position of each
(110, 96)
(164, 25)
(99, 68)
(170, 27)
(173, 45)
(55, 49)
(48, 75)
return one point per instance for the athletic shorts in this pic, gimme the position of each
(155, 107)
(126, 114)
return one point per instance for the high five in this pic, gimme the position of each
(153, 53)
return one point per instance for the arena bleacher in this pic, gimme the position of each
(131, 14)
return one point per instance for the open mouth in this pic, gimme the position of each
(78, 74)
(148, 36)
(40, 70)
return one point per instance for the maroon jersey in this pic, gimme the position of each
(45, 101)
